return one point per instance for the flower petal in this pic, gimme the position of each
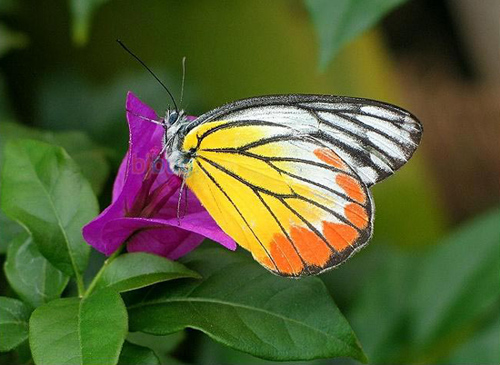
(170, 243)
(144, 145)
(120, 178)
(93, 231)
(163, 233)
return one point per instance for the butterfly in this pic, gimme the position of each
(288, 176)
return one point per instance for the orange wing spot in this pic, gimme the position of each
(351, 187)
(356, 215)
(330, 157)
(312, 249)
(339, 235)
(284, 255)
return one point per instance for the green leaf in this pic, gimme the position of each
(456, 286)
(14, 316)
(79, 331)
(482, 348)
(424, 306)
(339, 22)
(42, 188)
(243, 306)
(89, 156)
(161, 345)
(382, 301)
(81, 12)
(10, 229)
(31, 276)
(211, 352)
(136, 270)
(137, 355)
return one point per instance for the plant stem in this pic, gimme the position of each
(79, 284)
(109, 260)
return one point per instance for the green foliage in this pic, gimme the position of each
(425, 306)
(481, 347)
(80, 331)
(30, 274)
(90, 157)
(10, 40)
(137, 355)
(247, 311)
(136, 270)
(162, 346)
(10, 229)
(42, 188)
(81, 12)
(459, 281)
(14, 316)
(339, 22)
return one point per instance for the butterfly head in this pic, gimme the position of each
(173, 117)
(172, 123)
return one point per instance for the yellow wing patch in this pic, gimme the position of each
(293, 203)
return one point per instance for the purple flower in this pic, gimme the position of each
(145, 198)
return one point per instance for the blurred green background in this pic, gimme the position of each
(426, 290)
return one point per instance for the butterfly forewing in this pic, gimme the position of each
(374, 138)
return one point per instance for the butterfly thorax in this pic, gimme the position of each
(175, 130)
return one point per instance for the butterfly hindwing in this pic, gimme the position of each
(291, 201)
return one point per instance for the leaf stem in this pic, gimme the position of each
(79, 283)
(109, 260)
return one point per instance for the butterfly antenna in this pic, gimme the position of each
(183, 77)
(149, 70)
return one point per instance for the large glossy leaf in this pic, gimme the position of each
(137, 355)
(211, 352)
(338, 22)
(43, 189)
(243, 306)
(456, 286)
(30, 274)
(14, 316)
(76, 331)
(90, 157)
(137, 270)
